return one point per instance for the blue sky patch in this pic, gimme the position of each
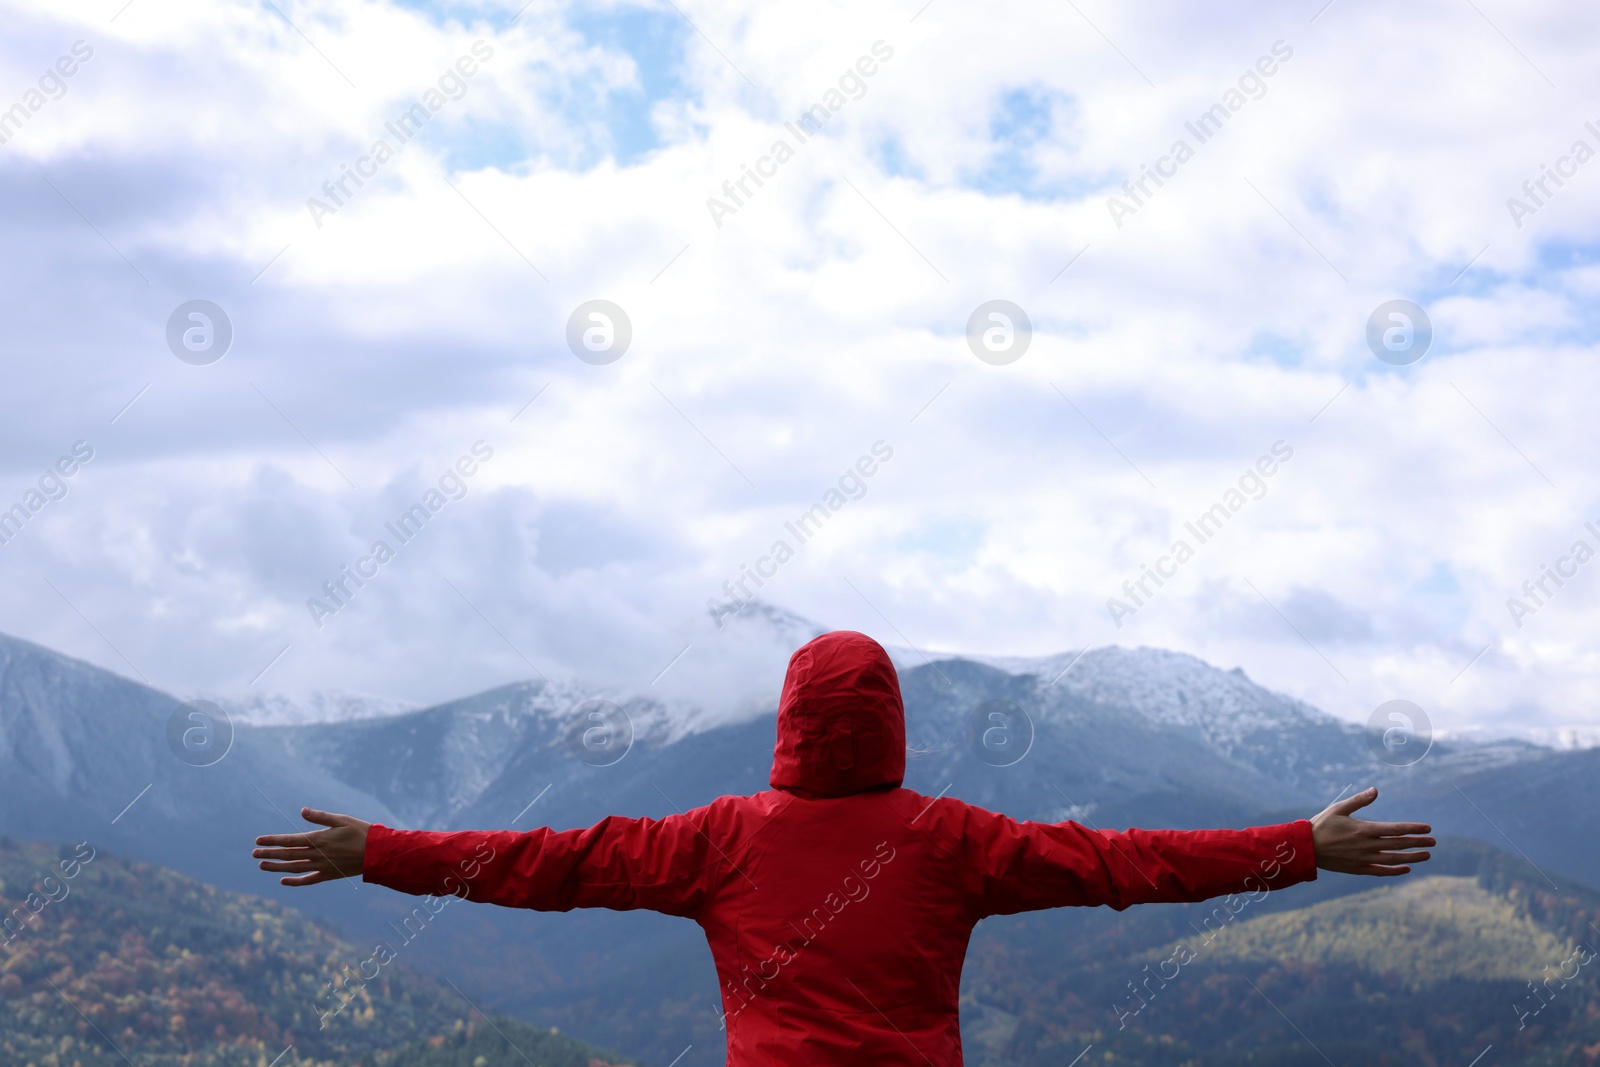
(1022, 120)
(616, 121)
(954, 540)
(1283, 351)
(656, 41)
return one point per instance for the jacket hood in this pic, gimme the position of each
(841, 722)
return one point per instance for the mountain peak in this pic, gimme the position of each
(1170, 688)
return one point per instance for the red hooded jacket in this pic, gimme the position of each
(837, 904)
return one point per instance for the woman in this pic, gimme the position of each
(837, 904)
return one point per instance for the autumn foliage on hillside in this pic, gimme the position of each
(496, 1042)
(125, 958)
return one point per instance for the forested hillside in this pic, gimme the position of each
(1476, 949)
(105, 961)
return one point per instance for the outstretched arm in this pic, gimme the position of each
(666, 865)
(1022, 866)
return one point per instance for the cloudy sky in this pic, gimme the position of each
(1357, 155)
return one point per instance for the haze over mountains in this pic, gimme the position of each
(1125, 737)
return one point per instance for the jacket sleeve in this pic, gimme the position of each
(1025, 866)
(667, 865)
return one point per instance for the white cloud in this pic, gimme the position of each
(820, 318)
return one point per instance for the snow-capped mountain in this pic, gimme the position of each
(279, 709)
(1114, 735)
(1124, 737)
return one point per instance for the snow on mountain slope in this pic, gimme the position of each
(1144, 729)
(730, 669)
(722, 674)
(85, 753)
(727, 666)
(279, 709)
(1171, 688)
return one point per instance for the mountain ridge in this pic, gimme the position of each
(1097, 750)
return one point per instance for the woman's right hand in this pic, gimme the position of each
(319, 856)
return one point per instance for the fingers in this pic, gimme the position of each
(308, 879)
(324, 818)
(1355, 803)
(1395, 829)
(1382, 872)
(291, 840)
(1405, 842)
(292, 860)
(321, 818)
(1395, 859)
(285, 853)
